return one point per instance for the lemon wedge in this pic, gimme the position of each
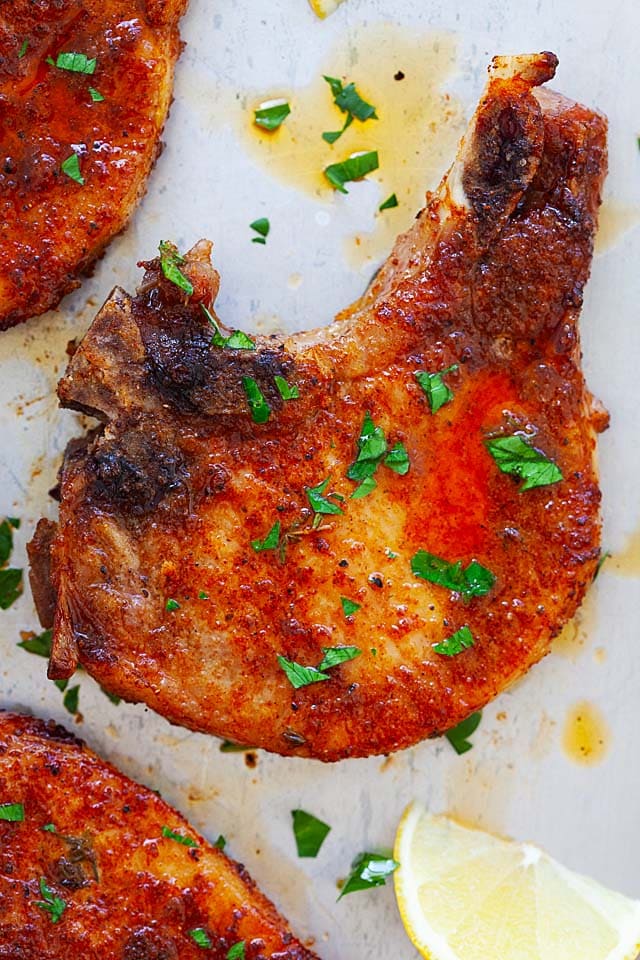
(322, 8)
(466, 895)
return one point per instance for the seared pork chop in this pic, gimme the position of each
(412, 489)
(85, 87)
(98, 867)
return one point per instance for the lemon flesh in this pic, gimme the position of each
(466, 895)
(322, 8)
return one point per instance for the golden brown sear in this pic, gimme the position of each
(96, 866)
(85, 87)
(412, 488)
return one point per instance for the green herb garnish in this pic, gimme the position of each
(299, 676)
(605, 556)
(10, 587)
(472, 581)
(349, 101)
(40, 645)
(237, 951)
(517, 456)
(309, 832)
(330, 136)
(23, 49)
(200, 937)
(171, 605)
(96, 96)
(349, 607)
(52, 904)
(13, 812)
(6, 541)
(286, 391)
(261, 227)
(221, 842)
(398, 459)
(178, 837)
(368, 870)
(271, 540)
(389, 203)
(457, 736)
(353, 168)
(461, 640)
(372, 446)
(71, 699)
(170, 261)
(228, 746)
(438, 393)
(260, 409)
(334, 656)
(366, 487)
(237, 340)
(203, 595)
(271, 117)
(71, 166)
(49, 828)
(320, 503)
(75, 62)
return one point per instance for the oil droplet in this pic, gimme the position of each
(614, 220)
(600, 655)
(416, 133)
(586, 734)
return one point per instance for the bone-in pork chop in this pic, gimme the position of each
(98, 867)
(340, 542)
(85, 87)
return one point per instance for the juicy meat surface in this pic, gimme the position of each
(128, 891)
(162, 503)
(52, 228)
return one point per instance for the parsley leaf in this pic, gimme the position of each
(320, 503)
(236, 952)
(330, 136)
(221, 842)
(309, 832)
(398, 459)
(12, 812)
(200, 937)
(228, 746)
(40, 645)
(237, 340)
(272, 116)
(456, 643)
(10, 587)
(71, 166)
(438, 393)
(299, 676)
(458, 736)
(517, 456)
(96, 96)
(349, 607)
(605, 556)
(71, 699)
(262, 227)
(472, 581)
(23, 49)
(271, 540)
(353, 168)
(6, 541)
(334, 656)
(260, 409)
(171, 605)
(52, 904)
(349, 100)
(178, 837)
(171, 261)
(367, 485)
(75, 62)
(286, 391)
(389, 203)
(368, 870)
(372, 446)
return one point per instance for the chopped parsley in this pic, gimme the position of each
(50, 903)
(389, 203)
(286, 391)
(299, 676)
(353, 168)
(349, 607)
(372, 451)
(23, 49)
(461, 640)
(71, 166)
(309, 832)
(200, 937)
(75, 62)
(171, 605)
(170, 261)
(10, 587)
(272, 116)
(49, 828)
(96, 96)
(260, 409)
(203, 595)
(40, 644)
(369, 870)
(261, 227)
(6, 540)
(605, 556)
(517, 456)
(228, 746)
(13, 812)
(237, 340)
(271, 540)
(178, 837)
(334, 656)
(398, 459)
(236, 952)
(318, 502)
(221, 842)
(71, 699)
(458, 736)
(349, 101)
(438, 393)
(366, 487)
(474, 580)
